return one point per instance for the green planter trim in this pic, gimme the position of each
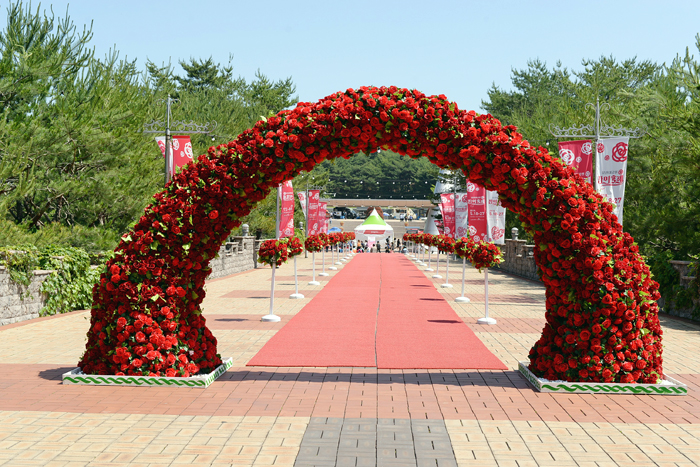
(76, 376)
(676, 388)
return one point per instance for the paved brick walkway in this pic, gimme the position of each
(338, 416)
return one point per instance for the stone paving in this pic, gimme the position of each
(338, 416)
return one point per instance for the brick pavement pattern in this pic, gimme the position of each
(268, 416)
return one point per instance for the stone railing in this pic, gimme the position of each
(20, 303)
(518, 258)
(237, 255)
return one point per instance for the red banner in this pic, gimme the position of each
(579, 156)
(180, 151)
(478, 225)
(286, 196)
(313, 218)
(447, 207)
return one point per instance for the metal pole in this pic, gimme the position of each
(487, 319)
(271, 317)
(462, 298)
(277, 214)
(168, 138)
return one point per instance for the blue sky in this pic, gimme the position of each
(456, 48)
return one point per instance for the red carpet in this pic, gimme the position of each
(383, 295)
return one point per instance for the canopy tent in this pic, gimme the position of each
(373, 228)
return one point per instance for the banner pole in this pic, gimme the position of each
(462, 298)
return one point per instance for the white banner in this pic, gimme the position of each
(461, 215)
(495, 218)
(611, 171)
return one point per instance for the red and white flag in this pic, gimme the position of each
(461, 215)
(611, 171)
(478, 224)
(323, 217)
(495, 218)
(285, 228)
(313, 217)
(579, 156)
(447, 207)
(180, 151)
(302, 201)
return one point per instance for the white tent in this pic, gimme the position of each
(373, 228)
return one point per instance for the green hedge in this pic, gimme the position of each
(69, 287)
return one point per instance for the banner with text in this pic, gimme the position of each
(579, 156)
(313, 218)
(495, 218)
(180, 151)
(611, 171)
(478, 225)
(286, 216)
(461, 215)
(447, 207)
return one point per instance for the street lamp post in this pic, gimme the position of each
(180, 126)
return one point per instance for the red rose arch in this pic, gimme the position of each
(602, 322)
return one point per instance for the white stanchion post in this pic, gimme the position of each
(337, 254)
(463, 299)
(323, 272)
(332, 268)
(271, 317)
(430, 254)
(313, 270)
(296, 293)
(447, 284)
(486, 319)
(437, 266)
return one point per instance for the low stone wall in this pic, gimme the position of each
(518, 259)
(19, 303)
(237, 255)
(686, 281)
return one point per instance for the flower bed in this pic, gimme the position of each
(602, 316)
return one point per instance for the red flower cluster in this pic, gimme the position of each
(294, 246)
(444, 243)
(335, 238)
(464, 247)
(314, 243)
(485, 255)
(273, 251)
(602, 322)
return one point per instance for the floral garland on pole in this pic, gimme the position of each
(485, 255)
(464, 247)
(294, 246)
(275, 251)
(601, 310)
(313, 243)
